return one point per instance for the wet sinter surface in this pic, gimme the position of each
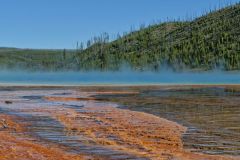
(82, 120)
(212, 114)
(34, 110)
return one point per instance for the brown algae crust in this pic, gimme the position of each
(100, 123)
(15, 146)
(133, 132)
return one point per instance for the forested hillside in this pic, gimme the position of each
(209, 42)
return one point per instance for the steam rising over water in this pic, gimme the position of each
(124, 77)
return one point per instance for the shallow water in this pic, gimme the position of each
(34, 110)
(211, 114)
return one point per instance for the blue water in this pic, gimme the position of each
(111, 78)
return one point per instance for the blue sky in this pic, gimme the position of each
(61, 23)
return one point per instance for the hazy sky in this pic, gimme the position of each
(61, 23)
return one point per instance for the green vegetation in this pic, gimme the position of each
(43, 60)
(209, 42)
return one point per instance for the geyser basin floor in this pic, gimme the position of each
(85, 123)
(211, 113)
